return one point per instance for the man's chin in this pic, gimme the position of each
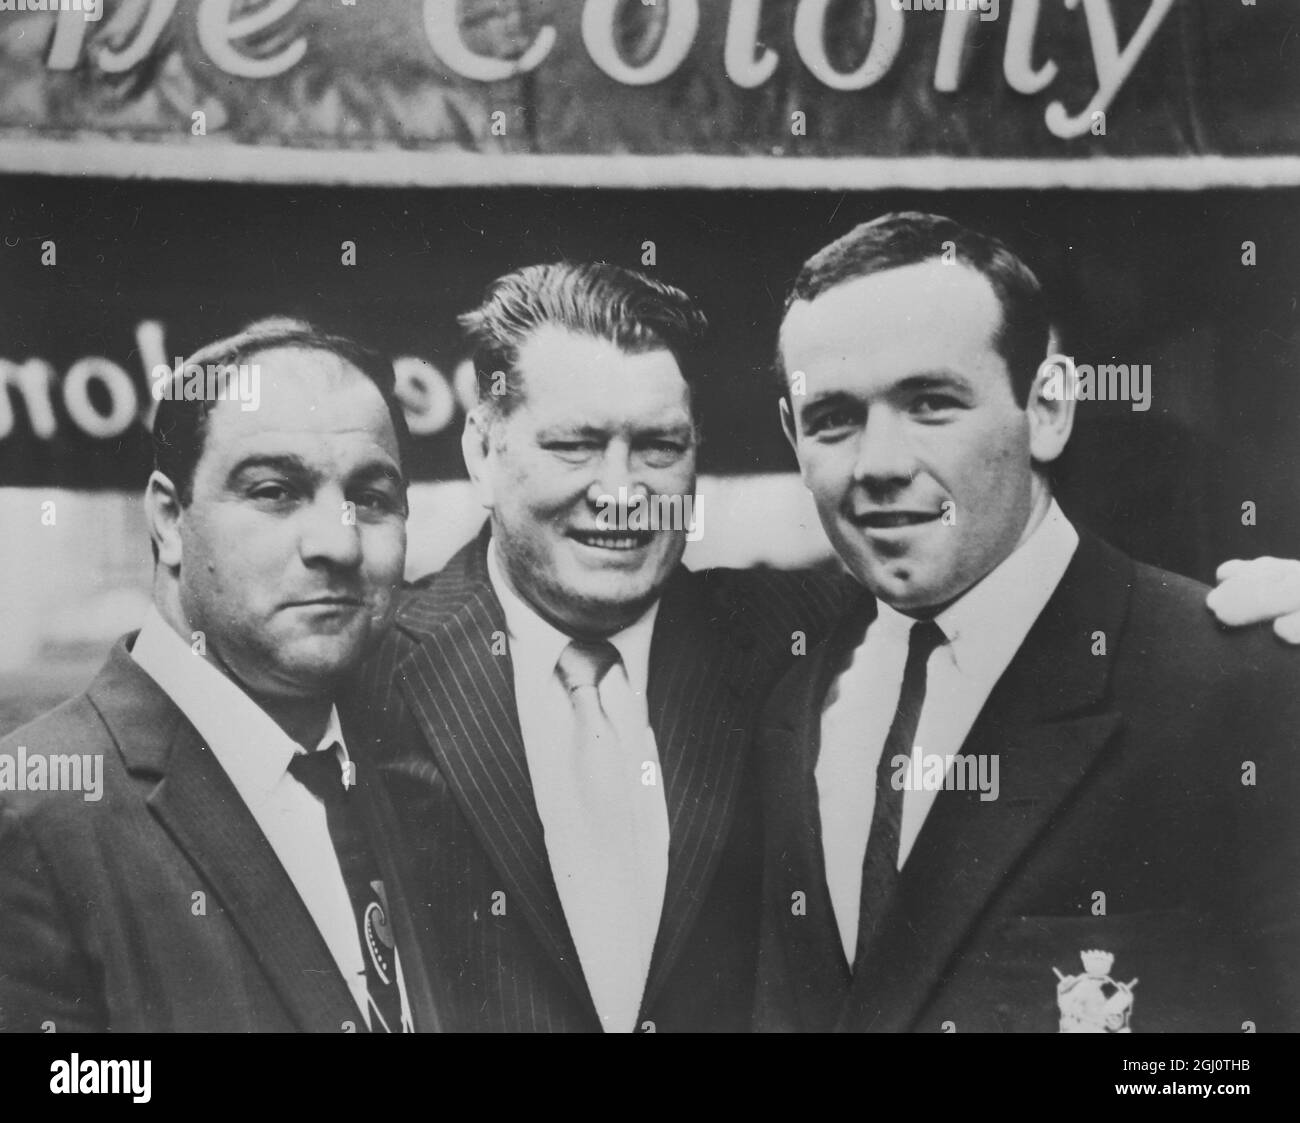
(606, 606)
(321, 663)
(901, 587)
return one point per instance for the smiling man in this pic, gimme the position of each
(565, 712)
(237, 874)
(533, 469)
(994, 637)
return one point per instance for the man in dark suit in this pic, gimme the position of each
(194, 843)
(1028, 784)
(565, 712)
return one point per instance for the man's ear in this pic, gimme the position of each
(476, 447)
(163, 511)
(1050, 408)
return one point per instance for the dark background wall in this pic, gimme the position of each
(1150, 277)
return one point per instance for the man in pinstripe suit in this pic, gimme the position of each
(564, 712)
(533, 919)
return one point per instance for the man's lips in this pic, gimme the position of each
(893, 519)
(326, 602)
(612, 539)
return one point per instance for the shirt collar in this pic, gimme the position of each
(536, 644)
(891, 625)
(1003, 605)
(252, 749)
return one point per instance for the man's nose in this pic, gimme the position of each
(884, 454)
(329, 531)
(614, 470)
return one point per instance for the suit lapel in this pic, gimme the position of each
(699, 698)
(394, 866)
(199, 807)
(1047, 720)
(792, 744)
(462, 696)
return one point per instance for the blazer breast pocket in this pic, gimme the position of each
(1158, 970)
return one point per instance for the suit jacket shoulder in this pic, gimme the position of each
(154, 903)
(1168, 618)
(769, 606)
(1146, 808)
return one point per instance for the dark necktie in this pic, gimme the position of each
(880, 866)
(321, 773)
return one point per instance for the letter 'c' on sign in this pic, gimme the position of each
(810, 42)
(598, 18)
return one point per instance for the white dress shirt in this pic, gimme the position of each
(546, 720)
(255, 753)
(985, 628)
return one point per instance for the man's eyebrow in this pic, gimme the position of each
(285, 463)
(570, 429)
(378, 469)
(289, 465)
(665, 428)
(933, 380)
(826, 398)
(602, 432)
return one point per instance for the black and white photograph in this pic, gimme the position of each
(650, 516)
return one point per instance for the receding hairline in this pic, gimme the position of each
(304, 347)
(876, 275)
(342, 369)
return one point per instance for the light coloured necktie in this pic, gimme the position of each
(605, 914)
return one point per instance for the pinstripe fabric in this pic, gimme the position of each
(439, 704)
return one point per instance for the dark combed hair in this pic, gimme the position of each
(180, 426)
(602, 301)
(909, 238)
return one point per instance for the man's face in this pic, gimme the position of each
(909, 435)
(590, 419)
(295, 537)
